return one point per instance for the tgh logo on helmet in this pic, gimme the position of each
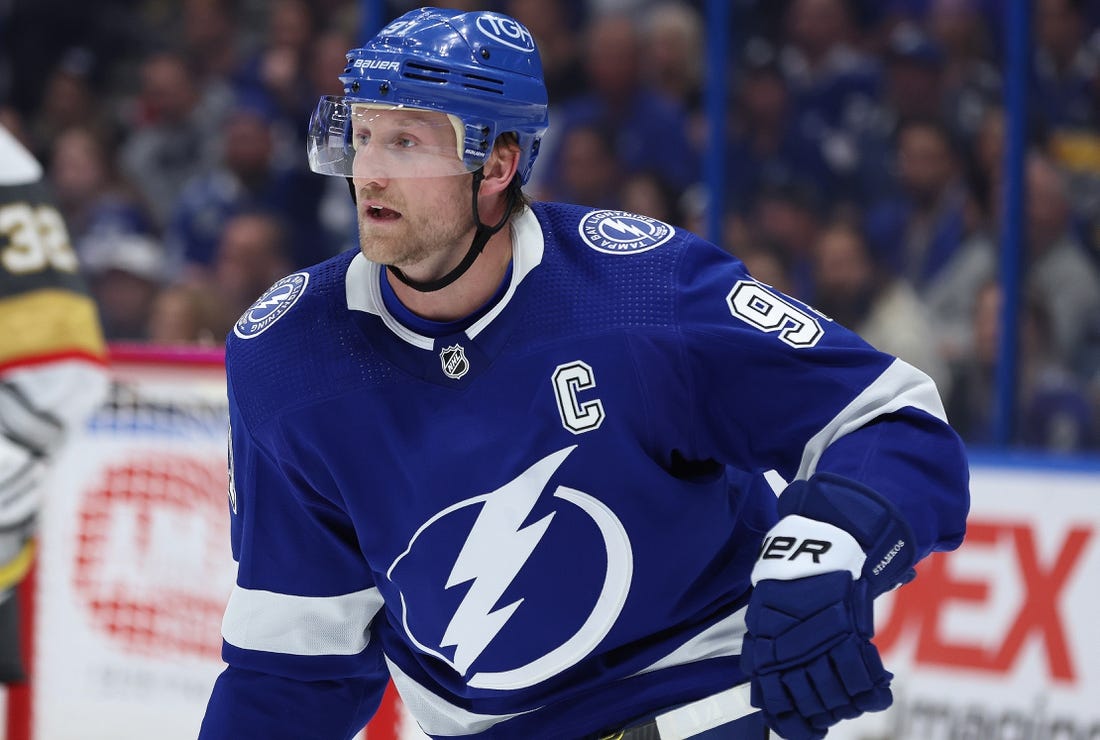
(506, 31)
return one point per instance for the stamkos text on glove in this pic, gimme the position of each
(889, 556)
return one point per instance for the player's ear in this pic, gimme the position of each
(501, 166)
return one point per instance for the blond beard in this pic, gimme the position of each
(442, 235)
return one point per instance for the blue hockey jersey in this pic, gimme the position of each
(540, 524)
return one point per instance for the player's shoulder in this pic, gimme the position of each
(619, 243)
(606, 270)
(291, 305)
(42, 258)
(287, 332)
(632, 250)
(609, 232)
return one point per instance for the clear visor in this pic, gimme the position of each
(374, 140)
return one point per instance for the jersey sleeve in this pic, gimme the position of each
(52, 353)
(298, 638)
(778, 386)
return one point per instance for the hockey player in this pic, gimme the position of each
(51, 367)
(512, 455)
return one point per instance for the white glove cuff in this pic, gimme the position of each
(797, 547)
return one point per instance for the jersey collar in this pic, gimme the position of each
(364, 293)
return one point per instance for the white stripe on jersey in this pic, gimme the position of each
(436, 715)
(720, 640)
(300, 625)
(899, 386)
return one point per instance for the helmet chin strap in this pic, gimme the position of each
(481, 238)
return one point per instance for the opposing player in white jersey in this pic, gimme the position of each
(52, 373)
(512, 455)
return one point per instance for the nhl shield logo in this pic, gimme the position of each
(454, 361)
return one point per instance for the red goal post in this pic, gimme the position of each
(124, 604)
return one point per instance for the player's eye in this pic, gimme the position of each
(404, 142)
(360, 140)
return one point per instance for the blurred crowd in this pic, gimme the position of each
(864, 154)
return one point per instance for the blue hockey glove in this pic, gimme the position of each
(808, 650)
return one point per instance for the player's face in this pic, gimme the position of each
(412, 190)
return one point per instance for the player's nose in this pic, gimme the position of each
(368, 183)
(370, 166)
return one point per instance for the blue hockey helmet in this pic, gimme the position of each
(481, 69)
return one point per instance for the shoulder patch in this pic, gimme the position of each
(620, 232)
(271, 306)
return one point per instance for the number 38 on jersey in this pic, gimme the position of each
(34, 238)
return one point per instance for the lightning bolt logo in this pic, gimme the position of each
(493, 555)
(268, 301)
(626, 228)
(271, 301)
